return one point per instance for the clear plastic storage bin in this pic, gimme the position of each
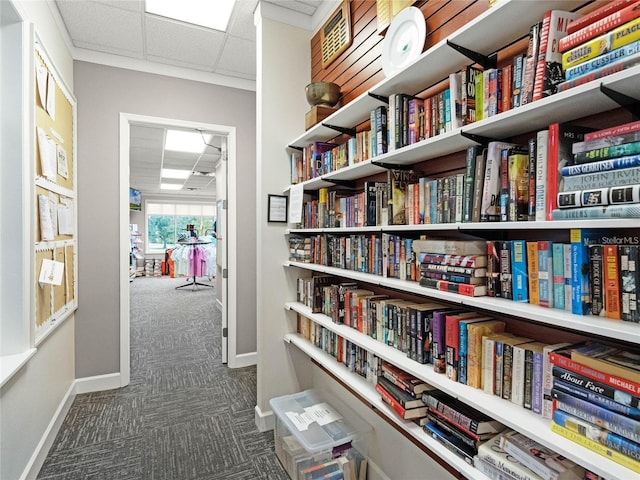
(318, 436)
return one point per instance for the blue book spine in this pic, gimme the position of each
(601, 400)
(557, 269)
(462, 352)
(629, 161)
(433, 203)
(612, 440)
(545, 273)
(602, 60)
(519, 271)
(537, 391)
(597, 415)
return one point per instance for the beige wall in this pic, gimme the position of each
(103, 93)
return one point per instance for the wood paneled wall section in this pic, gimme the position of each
(359, 67)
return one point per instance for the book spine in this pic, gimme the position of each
(588, 395)
(498, 373)
(533, 271)
(552, 181)
(603, 60)
(518, 376)
(597, 14)
(466, 261)
(610, 439)
(454, 287)
(599, 27)
(629, 283)
(507, 370)
(463, 349)
(605, 153)
(451, 430)
(596, 279)
(532, 171)
(630, 210)
(537, 390)
(506, 84)
(629, 161)
(621, 138)
(438, 342)
(542, 139)
(611, 40)
(493, 269)
(554, 28)
(611, 278)
(451, 414)
(613, 131)
(557, 270)
(518, 184)
(504, 185)
(523, 454)
(478, 186)
(487, 372)
(595, 414)
(516, 89)
(603, 71)
(596, 447)
(581, 296)
(449, 441)
(591, 375)
(389, 400)
(530, 63)
(504, 256)
(519, 271)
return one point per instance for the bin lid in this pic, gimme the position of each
(317, 420)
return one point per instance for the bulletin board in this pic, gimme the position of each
(55, 198)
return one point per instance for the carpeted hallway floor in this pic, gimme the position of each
(184, 416)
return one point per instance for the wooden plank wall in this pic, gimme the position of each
(359, 67)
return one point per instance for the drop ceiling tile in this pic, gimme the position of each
(177, 41)
(102, 26)
(241, 24)
(239, 55)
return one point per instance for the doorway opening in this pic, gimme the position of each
(222, 138)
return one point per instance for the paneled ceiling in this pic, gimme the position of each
(121, 33)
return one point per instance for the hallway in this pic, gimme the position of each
(184, 416)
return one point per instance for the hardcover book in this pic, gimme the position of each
(397, 191)
(550, 61)
(491, 453)
(561, 137)
(540, 459)
(596, 447)
(475, 333)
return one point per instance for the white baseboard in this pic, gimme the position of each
(265, 421)
(40, 454)
(97, 383)
(243, 360)
(80, 385)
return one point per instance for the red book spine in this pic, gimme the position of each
(552, 169)
(596, 15)
(599, 27)
(611, 380)
(451, 422)
(389, 400)
(617, 130)
(507, 81)
(541, 62)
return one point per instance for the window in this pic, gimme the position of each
(166, 221)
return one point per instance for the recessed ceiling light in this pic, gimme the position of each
(174, 173)
(184, 141)
(170, 186)
(206, 13)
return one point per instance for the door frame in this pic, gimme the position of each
(126, 119)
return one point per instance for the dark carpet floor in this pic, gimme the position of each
(184, 416)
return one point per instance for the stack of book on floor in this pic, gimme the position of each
(453, 265)
(596, 393)
(601, 179)
(456, 425)
(402, 392)
(600, 43)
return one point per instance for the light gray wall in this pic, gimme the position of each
(103, 93)
(30, 399)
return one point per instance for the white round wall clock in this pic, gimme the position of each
(404, 40)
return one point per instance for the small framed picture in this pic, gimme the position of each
(277, 208)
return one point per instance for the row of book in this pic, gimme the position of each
(603, 42)
(593, 273)
(596, 395)
(566, 171)
(475, 437)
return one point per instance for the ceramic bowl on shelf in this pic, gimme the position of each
(326, 94)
